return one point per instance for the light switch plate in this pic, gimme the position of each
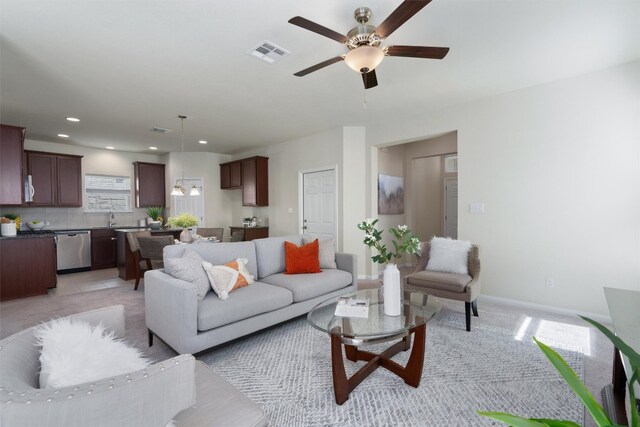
(476, 208)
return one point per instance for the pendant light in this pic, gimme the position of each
(178, 189)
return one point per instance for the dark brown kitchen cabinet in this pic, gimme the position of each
(231, 175)
(255, 181)
(251, 233)
(103, 248)
(27, 266)
(56, 179)
(149, 184)
(11, 176)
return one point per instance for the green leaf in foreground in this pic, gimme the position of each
(634, 357)
(576, 385)
(512, 420)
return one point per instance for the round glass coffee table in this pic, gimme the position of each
(377, 327)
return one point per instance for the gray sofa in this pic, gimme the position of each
(179, 388)
(174, 314)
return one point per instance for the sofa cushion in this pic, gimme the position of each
(327, 251)
(243, 303)
(229, 277)
(188, 267)
(301, 259)
(307, 286)
(218, 253)
(270, 254)
(438, 280)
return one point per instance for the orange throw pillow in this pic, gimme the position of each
(303, 259)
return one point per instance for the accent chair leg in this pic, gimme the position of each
(474, 307)
(467, 313)
(150, 337)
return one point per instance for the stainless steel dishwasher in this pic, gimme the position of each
(74, 251)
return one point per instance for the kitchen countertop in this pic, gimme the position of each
(28, 236)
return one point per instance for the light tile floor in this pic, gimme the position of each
(86, 281)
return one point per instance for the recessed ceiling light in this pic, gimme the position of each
(108, 147)
(202, 141)
(153, 148)
(73, 119)
(63, 135)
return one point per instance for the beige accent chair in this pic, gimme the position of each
(460, 287)
(218, 233)
(134, 246)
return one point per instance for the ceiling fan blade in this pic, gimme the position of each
(317, 28)
(319, 66)
(418, 51)
(370, 79)
(402, 14)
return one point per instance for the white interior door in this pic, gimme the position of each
(451, 208)
(319, 204)
(190, 204)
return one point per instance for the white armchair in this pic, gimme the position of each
(151, 397)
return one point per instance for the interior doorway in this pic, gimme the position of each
(451, 207)
(318, 213)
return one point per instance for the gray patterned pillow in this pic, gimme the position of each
(326, 251)
(189, 268)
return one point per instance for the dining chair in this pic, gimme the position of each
(151, 250)
(139, 264)
(237, 236)
(218, 233)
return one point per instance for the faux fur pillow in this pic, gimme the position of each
(327, 250)
(229, 277)
(448, 255)
(74, 352)
(189, 268)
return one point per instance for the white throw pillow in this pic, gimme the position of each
(74, 352)
(226, 278)
(326, 249)
(448, 255)
(189, 268)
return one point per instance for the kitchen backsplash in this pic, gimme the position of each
(65, 218)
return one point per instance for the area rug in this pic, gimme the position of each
(287, 371)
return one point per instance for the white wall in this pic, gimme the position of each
(557, 166)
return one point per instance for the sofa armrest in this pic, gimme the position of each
(171, 308)
(348, 263)
(150, 397)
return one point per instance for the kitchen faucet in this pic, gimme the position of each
(112, 219)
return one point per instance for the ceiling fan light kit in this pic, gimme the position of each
(363, 41)
(364, 58)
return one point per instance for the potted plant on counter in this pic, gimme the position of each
(186, 221)
(155, 213)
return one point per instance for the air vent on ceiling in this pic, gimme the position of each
(160, 130)
(268, 52)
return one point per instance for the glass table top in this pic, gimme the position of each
(377, 326)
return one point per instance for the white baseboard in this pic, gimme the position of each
(365, 277)
(602, 318)
(379, 275)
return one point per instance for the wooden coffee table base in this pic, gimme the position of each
(411, 373)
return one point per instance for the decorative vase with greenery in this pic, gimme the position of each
(184, 221)
(404, 242)
(155, 213)
(597, 413)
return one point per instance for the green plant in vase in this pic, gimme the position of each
(184, 221)
(155, 213)
(578, 387)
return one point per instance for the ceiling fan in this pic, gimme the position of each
(363, 41)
